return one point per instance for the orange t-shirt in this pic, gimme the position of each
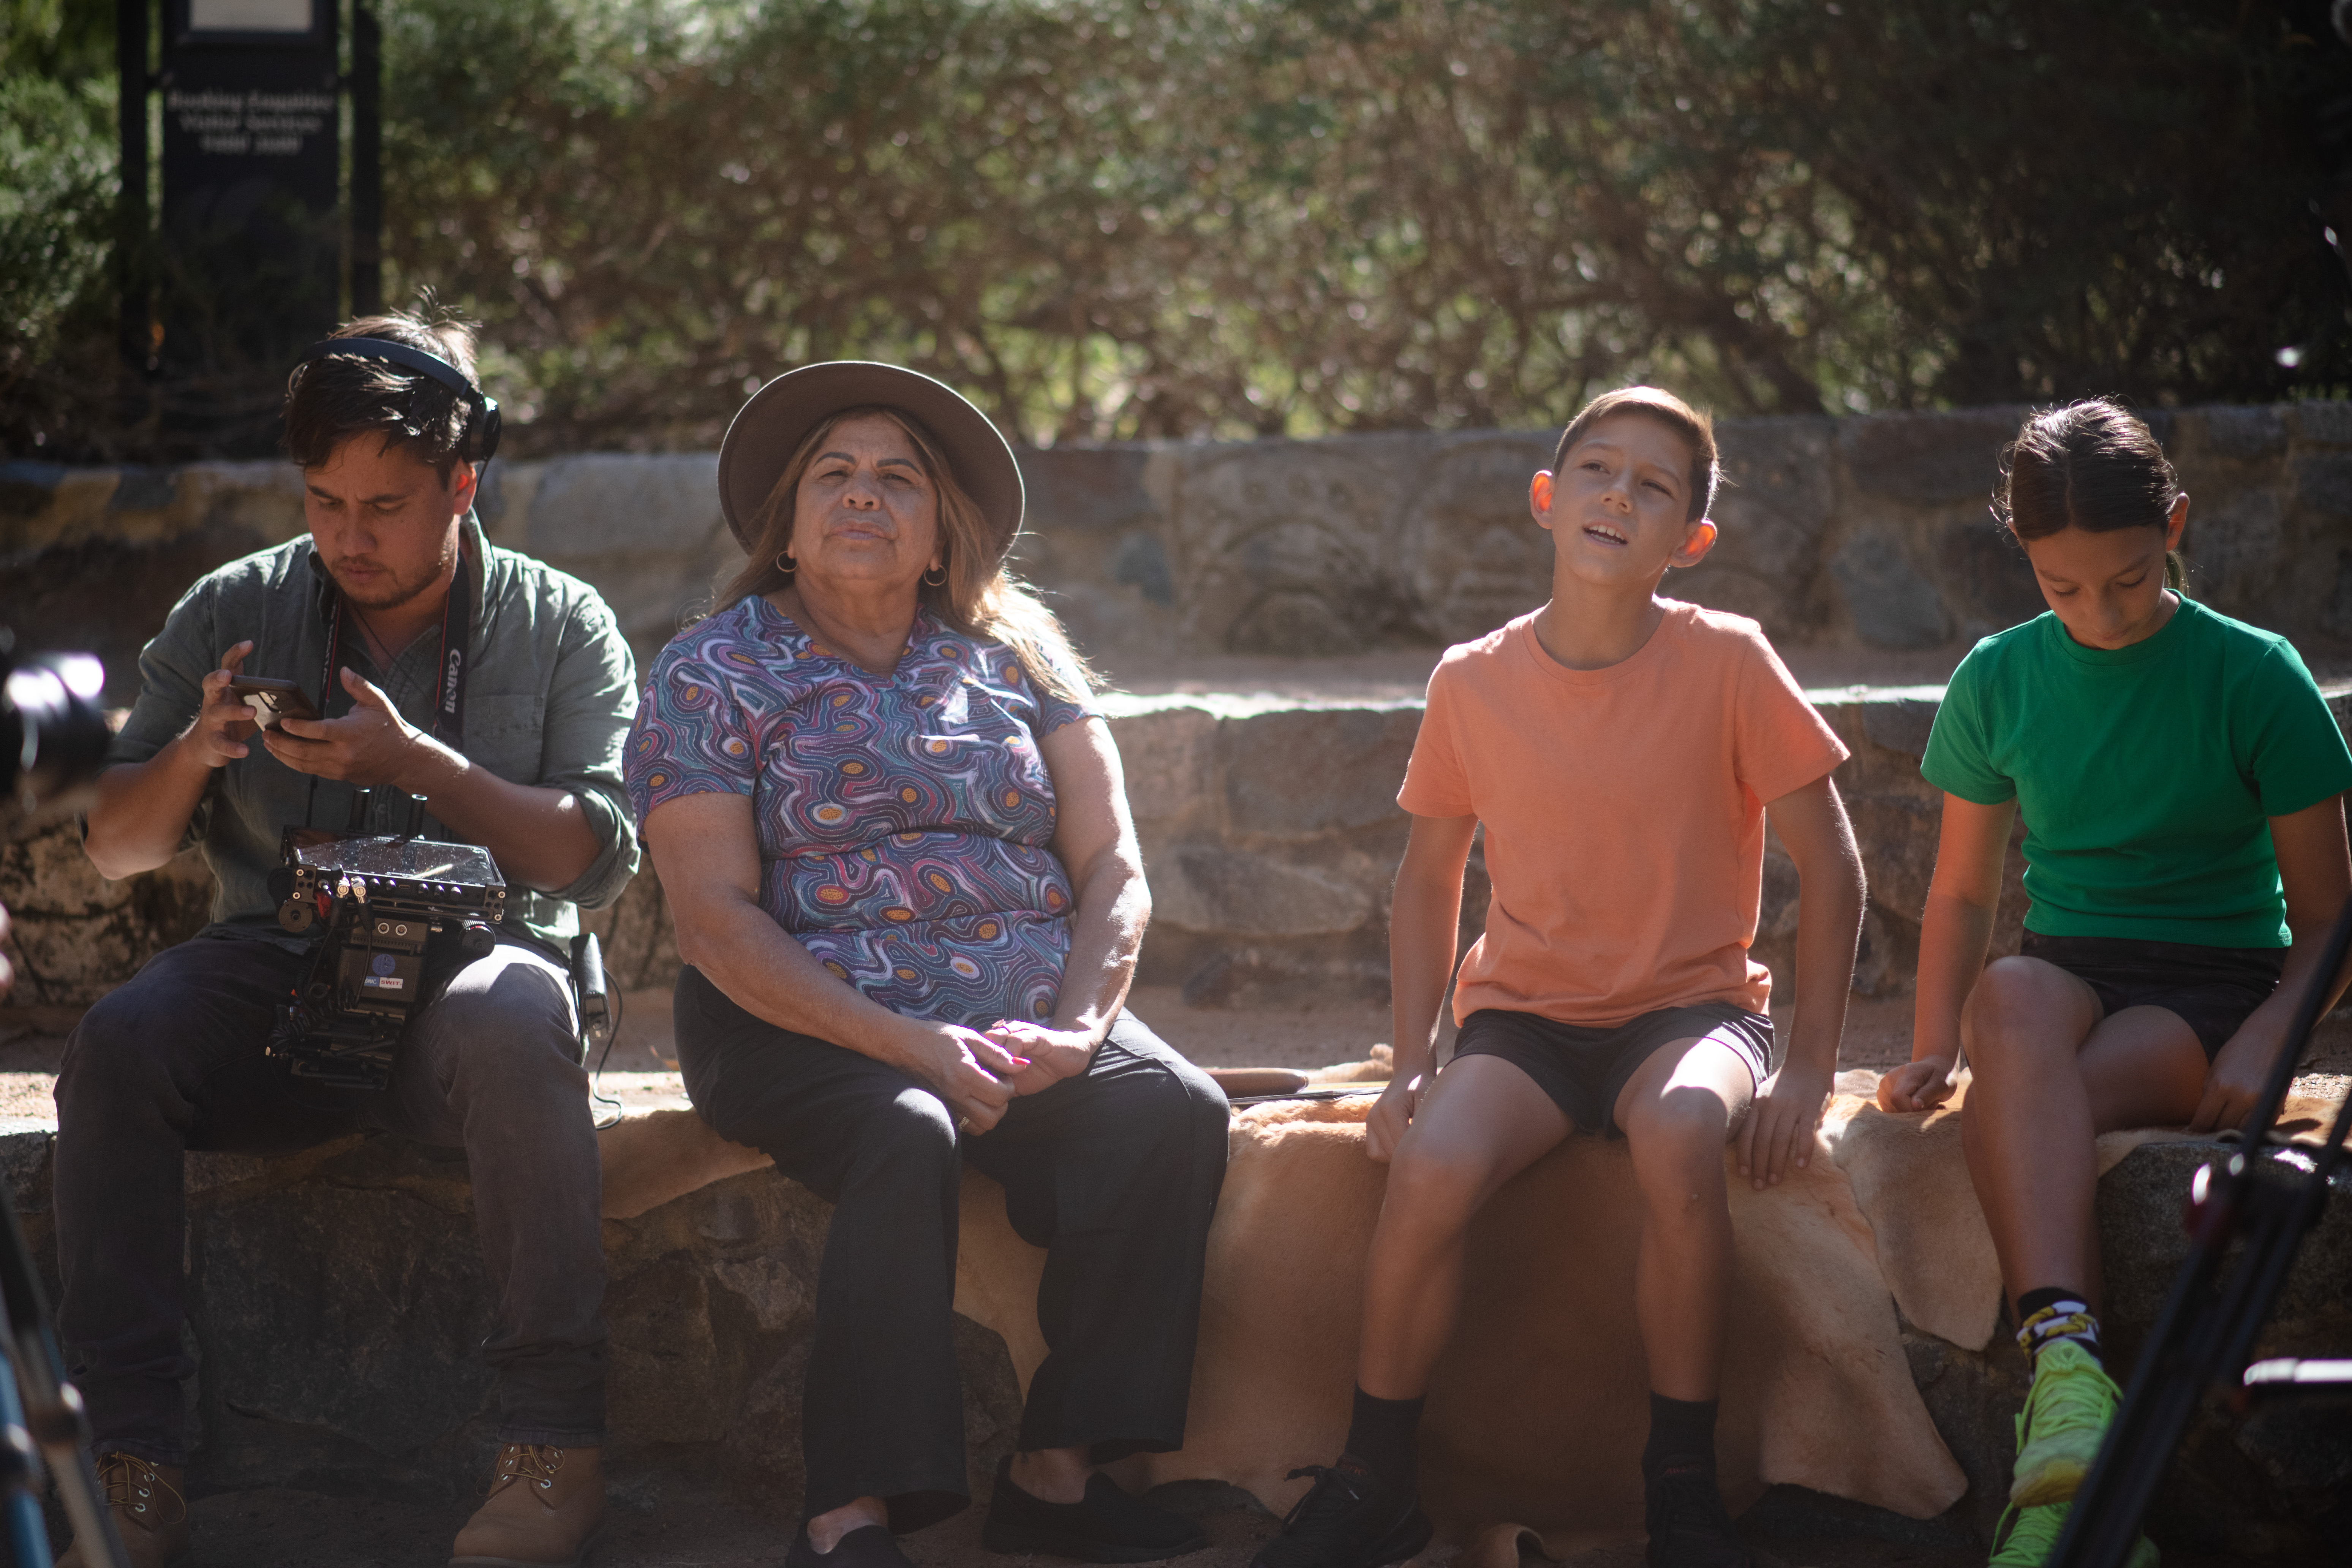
(1624, 809)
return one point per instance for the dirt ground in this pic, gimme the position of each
(682, 1527)
(1402, 675)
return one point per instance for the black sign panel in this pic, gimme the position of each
(251, 231)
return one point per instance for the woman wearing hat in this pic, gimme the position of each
(893, 834)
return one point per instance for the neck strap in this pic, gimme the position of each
(456, 635)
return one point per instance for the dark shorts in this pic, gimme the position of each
(1584, 1070)
(2211, 988)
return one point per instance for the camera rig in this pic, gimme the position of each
(393, 916)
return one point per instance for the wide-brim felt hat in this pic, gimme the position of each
(769, 429)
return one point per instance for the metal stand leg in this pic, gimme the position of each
(20, 1479)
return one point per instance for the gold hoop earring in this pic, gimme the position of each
(942, 582)
(787, 563)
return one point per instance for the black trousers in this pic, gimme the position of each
(1114, 1172)
(174, 1060)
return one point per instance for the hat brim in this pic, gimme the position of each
(769, 429)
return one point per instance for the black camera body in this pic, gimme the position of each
(393, 916)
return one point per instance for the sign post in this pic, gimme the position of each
(251, 258)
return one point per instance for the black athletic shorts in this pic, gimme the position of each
(1584, 1070)
(2211, 988)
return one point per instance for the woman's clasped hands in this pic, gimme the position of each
(1046, 1055)
(979, 1073)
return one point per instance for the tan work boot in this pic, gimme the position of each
(544, 1504)
(149, 1510)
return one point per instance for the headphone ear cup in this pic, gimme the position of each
(491, 424)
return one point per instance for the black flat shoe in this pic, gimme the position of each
(867, 1546)
(1108, 1526)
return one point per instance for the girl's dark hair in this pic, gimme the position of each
(2091, 465)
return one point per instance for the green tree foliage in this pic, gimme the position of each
(1116, 218)
(58, 182)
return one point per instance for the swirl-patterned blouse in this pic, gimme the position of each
(904, 820)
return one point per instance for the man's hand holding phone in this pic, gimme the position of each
(224, 720)
(272, 700)
(369, 745)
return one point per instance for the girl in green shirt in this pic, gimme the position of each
(2181, 783)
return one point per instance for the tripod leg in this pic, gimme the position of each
(20, 1474)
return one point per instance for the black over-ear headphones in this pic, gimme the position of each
(482, 423)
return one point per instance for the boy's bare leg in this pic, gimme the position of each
(1481, 1123)
(1678, 1111)
(2050, 1075)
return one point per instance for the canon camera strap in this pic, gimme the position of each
(457, 631)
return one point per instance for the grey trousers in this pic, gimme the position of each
(174, 1060)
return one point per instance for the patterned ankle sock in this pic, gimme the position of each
(2054, 1314)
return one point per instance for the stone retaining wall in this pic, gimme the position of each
(1270, 834)
(1864, 533)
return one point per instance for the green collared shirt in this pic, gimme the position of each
(550, 689)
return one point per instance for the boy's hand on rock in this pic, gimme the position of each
(1917, 1086)
(1778, 1135)
(1392, 1114)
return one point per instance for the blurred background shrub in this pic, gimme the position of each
(1124, 218)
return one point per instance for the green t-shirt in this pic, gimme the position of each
(2146, 774)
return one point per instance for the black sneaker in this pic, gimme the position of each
(1347, 1520)
(1105, 1526)
(1688, 1525)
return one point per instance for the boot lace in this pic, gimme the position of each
(1321, 1524)
(2026, 1536)
(2072, 1396)
(132, 1485)
(532, 1465)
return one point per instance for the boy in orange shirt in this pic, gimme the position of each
(1622, 752)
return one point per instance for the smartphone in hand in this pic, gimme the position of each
(273, 700)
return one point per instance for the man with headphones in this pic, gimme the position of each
(444, 667)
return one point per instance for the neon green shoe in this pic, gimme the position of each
(2066, 1413)
(2027, 1537)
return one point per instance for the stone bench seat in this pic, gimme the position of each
(336, 1297)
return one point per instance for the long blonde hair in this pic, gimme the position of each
(979, 598)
